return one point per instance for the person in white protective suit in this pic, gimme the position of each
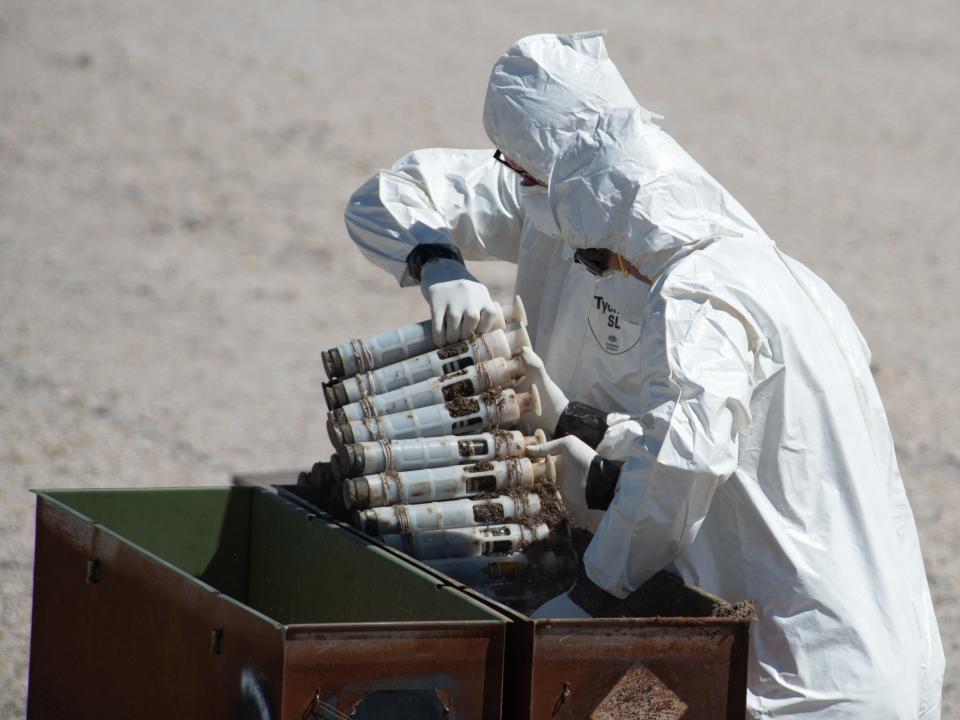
(756, 453)
(760, 463)
(436, 207)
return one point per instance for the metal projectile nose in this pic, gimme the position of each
(332, 363)
(352, 460)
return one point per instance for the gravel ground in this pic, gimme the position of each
(173, 175)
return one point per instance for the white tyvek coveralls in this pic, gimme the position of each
(762, 464)
(467, 199)
(751, 381)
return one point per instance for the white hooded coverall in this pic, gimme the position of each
(760, 461)
(466, 199)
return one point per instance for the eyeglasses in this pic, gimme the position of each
(527, 178)
(595, 260)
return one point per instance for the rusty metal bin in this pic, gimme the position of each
(661, 667)
(233, 602)
(679, 661)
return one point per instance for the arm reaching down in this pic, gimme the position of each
(699, 372)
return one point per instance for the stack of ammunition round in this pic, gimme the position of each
(437, 363)
(472, 380)
(446, 514)
(366, 354)
(493, 409)
(444, 483)
(428, 456)
(468, 541)
(367, 458)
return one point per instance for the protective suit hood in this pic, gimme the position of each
(627, 186)
(545, 89)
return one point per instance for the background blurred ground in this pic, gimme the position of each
(173, 174)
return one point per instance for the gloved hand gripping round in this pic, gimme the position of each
(552, 399)
(460, 306)
(573, 465)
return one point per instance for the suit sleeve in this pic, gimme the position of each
(699, 371)
(457, 198)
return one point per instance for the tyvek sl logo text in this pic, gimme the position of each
(612, 333)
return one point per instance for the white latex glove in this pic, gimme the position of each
(619, 440)
(573, 462)
(460, 306)
(552, 399)
(560, 607)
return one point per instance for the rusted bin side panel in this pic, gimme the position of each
(231, 602)
(394, 671)
(663, 668)
(117, 633)
(669, 660)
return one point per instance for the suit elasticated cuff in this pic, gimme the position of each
(582, 421)
(602, 479)
(422, 254)
(594, 600)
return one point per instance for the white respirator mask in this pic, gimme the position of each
(535, 201)
(627, 294)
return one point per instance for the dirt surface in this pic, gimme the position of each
(463, 406)
(173, 177)
(503, 439)
(742, 610)
(459, 389)
(488, 512)
(552, 511)
(494, 396)
(452, 351)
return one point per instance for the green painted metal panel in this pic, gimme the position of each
(202, 531)
(275, 557)
(316, 571)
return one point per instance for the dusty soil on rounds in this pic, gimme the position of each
(452, 351)
(463, 406)
(173, 176)
(479, 467)
(457, 390)
(488, 513)
(552, 512)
